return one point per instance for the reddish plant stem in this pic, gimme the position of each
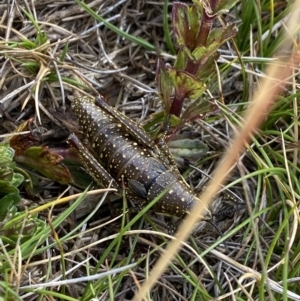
(177, 104)
(191, 67)
(206, 22)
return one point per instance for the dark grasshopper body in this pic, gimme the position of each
(128, 155)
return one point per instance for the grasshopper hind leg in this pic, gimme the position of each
(93, 167)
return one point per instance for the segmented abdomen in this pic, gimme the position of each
(115, 149)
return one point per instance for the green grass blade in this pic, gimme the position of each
(139, 41)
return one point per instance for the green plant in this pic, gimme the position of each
(9, 181)
(198, 44)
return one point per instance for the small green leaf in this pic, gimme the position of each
(6, 154)
(13, 226)
(198, 109)
(64, 52)
(27, 44)
(199, 53)
(164, 85)
(154, 125)
(186, 24)
(31, 67)
(174, 120)
(181, 59)
(186, 84)
(207, 67)
(41, 38)
(225, 5)
(7, 202)
(189, 149)
(17, 179)
(7, 187)
(6, 174)
(221, 35)
(48, 163)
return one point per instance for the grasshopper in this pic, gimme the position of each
(125, 153)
